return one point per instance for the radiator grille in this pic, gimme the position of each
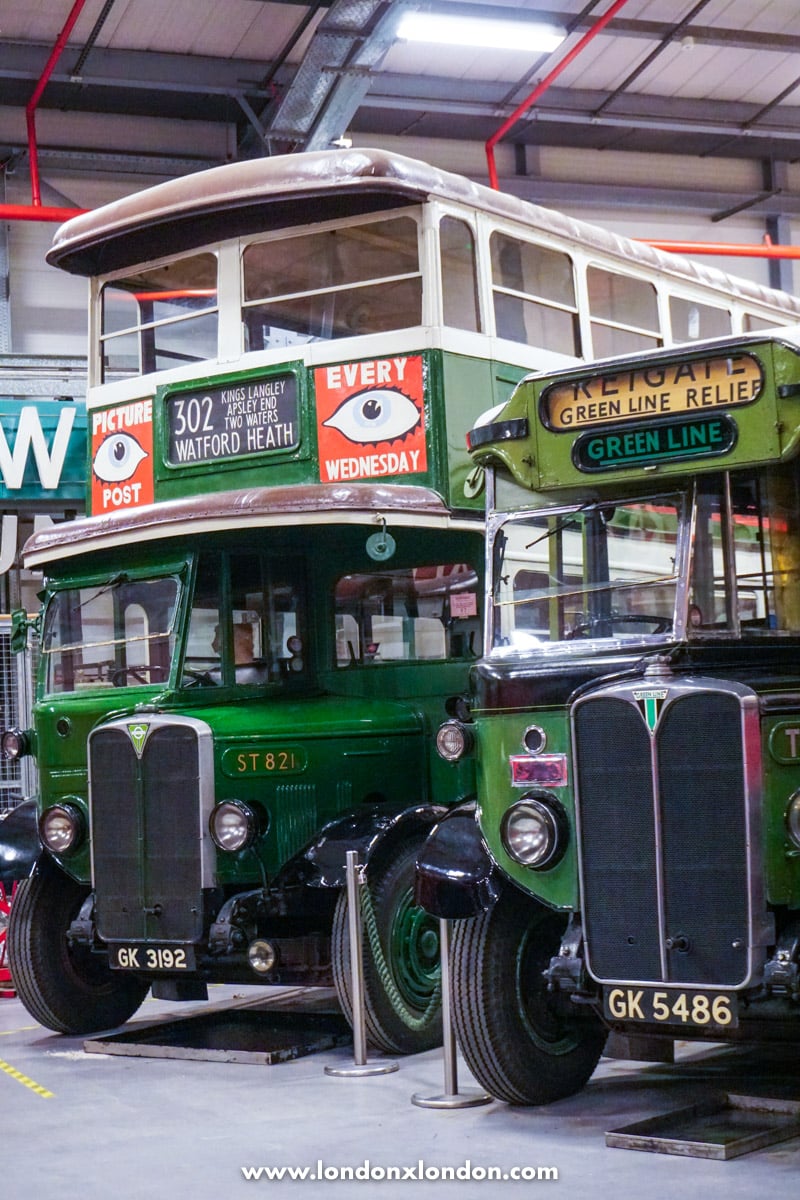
(619, 854)
(701, 782)
(663, 839)
(147, 833)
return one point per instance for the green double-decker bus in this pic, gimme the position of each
(635, 720)
(246, 645)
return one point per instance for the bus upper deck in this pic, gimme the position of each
(347, 315)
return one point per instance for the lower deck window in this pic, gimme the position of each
(247, 624)
(407, 615)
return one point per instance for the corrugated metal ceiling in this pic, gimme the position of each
(697, 77)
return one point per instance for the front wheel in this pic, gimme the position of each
(66, 988)
(516, 1037)
(402, 971)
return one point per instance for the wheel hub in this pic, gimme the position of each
(415, 952)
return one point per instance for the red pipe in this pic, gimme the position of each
(30, 107)
(28, 212)
(542, 87)
(743, 250)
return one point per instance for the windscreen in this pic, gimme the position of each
(117, 633)
(607, 572)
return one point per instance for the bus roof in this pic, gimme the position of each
(296, 189)
(363, 504)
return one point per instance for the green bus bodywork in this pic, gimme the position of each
(321, 743)
(635, 717)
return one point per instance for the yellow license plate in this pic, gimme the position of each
(671, 1006)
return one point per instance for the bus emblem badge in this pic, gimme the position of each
(138, 732)
(650, 702)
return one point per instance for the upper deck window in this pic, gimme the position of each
(459, 275)
(752, 323)
(160, 318)
(332, 283)
(692, 320)
(534, 295)
(624, 312)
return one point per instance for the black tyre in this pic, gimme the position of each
(68, 989)
(403, 1012)
(517, 1039)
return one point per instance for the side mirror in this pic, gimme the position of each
(20, 624)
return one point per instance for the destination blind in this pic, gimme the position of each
(670, 389)
(254, 416)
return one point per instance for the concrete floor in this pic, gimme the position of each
(130, 1128)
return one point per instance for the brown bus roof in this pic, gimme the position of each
(322, 503)
(295, 189)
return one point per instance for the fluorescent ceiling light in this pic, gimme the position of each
(476, 31)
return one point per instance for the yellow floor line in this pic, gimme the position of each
(25, 1081)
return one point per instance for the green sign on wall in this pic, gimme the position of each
(42, 450)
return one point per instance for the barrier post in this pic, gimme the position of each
(450, 1097)
(361, 1065)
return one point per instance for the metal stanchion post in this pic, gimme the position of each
(451, 1097)
(361, 1065)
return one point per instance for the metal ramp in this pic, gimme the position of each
(725, 1126)
(264, 1031)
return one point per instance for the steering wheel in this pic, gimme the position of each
(197, 678)
(662, 624)
(587, 628)
(120, 677)
(142, 674)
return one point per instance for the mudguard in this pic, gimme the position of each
(456, 877)
(19, 843)
(371, 830)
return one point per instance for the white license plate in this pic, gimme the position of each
(151, 957)
(671, 1006)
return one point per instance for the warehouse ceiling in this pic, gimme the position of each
(201, 81)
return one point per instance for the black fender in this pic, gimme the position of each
(456, 876)
(19, 843)
(372, 831)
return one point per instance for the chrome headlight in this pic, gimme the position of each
(233, 825)
(453, 740)
(62, 828)
(534, 831)
(793, 818)
(14, 744)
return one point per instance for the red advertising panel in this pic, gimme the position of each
(371, 419)
(122, 457)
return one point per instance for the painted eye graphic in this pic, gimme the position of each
(377, 415)
(117, 458)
